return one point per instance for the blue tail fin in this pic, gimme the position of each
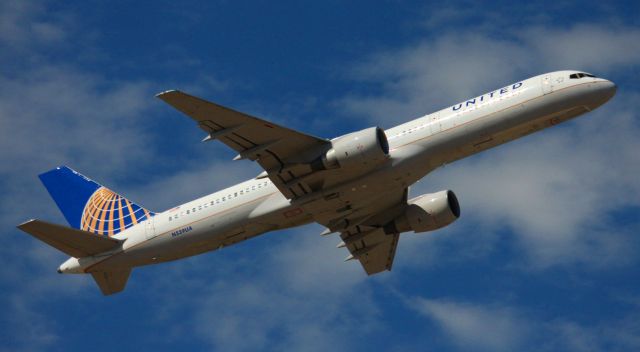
(89, 206)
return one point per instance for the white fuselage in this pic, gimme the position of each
(417, 147)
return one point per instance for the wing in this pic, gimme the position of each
(283, 153)
(365, 235)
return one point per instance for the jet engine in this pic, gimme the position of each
(427, 212)
(358, 149)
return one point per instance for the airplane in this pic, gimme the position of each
(355, 185)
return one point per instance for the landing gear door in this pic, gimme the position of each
(547, 84)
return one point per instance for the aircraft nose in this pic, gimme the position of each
(600, 91)
(607, 89)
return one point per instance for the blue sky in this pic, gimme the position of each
(544, 258)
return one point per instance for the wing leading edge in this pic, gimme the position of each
(282, 152)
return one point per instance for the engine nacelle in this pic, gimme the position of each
(427, 212)
(358, 149)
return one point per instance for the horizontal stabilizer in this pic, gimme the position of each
(111, 282)
(76, 243)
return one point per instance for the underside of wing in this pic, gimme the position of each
(364, 234)
(285, 154)
(375, 251)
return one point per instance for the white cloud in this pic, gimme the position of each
(600, 48)
(55, 115)
(293, 292)
(82, 116)
(52, 113)
(23, 26)
(475, 327)
(311, 264)
(437, 72)
(618, 334)
(433, 74)
(503, 327)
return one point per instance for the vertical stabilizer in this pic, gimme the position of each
(89, 206)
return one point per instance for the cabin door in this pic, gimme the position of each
(434, 123)
(149, 229)
(547, 84)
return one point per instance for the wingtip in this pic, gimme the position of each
(57, 168)
(20, 226)
(166, 92)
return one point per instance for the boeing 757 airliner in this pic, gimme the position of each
(355, 185)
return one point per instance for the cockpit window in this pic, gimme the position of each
(580, 75)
